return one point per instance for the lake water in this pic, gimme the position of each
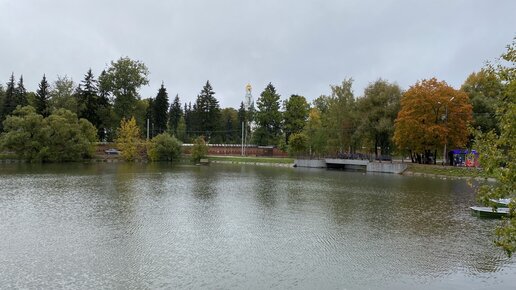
(134, 226)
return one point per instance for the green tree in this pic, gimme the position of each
(87, 98)
(92, 105)
(181, 129)
(62, 95)
(484, 89)
(206, 112)
(189, 122)
(175, 115)
(322, 104)
(378, 109)
(246, 118)
(2, 100)
(298, 144)
(316, 133)
(21, 93)
(42, 98)
(123, 79)
(69, 138)
(149, 117)
(25, 134)
(9, 101)
(143, 107)
(128, 139)
(59, 137)
(160, 110)
(199, 149)
(229, 121)
(340, 119)
(497, 150)
(295, 115)
(164, 147)
(268, 117)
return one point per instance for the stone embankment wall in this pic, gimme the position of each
(385, 167)
(310, 163)
(396, 168)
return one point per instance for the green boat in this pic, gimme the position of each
(485, 211)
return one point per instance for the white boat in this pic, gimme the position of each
(486, 211)
(504, 202)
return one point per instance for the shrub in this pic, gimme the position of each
(164, 147)
(199, 149)
(57, 138)
(298, 144)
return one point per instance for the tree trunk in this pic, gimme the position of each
(376, 147)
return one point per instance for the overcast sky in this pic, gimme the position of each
(301, 46)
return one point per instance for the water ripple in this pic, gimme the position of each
(160, 226)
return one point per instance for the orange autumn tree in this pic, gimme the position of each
(431, 115)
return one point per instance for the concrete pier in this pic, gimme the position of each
(364, 165)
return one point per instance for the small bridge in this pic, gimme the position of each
(347, 164)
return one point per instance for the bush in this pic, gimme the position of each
(298, 144)
(70, 139)
(199, 149)
(164, 147)
(57, 138)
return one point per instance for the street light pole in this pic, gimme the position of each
(445, 155)
(247, 105)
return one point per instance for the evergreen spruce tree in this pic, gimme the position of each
(105, 109)
(2, 101)
(93, 105)
(9, 101)
(159, 111)
(268, 117)
(175, 114)
(207, 113)
(42, 98)
(2, 92)
(188, 121)
(20, 94)
(229, 124)
(88, 102)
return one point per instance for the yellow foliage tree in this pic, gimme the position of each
(128, 139)
(432, 115)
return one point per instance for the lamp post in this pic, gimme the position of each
(247, 104)
(242, 151)
(445, 155)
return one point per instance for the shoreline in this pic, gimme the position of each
(436, 171)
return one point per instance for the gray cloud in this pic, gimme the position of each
(300, 46)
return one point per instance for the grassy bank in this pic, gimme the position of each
(8, 156)
(443, 170)
(237, 159)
